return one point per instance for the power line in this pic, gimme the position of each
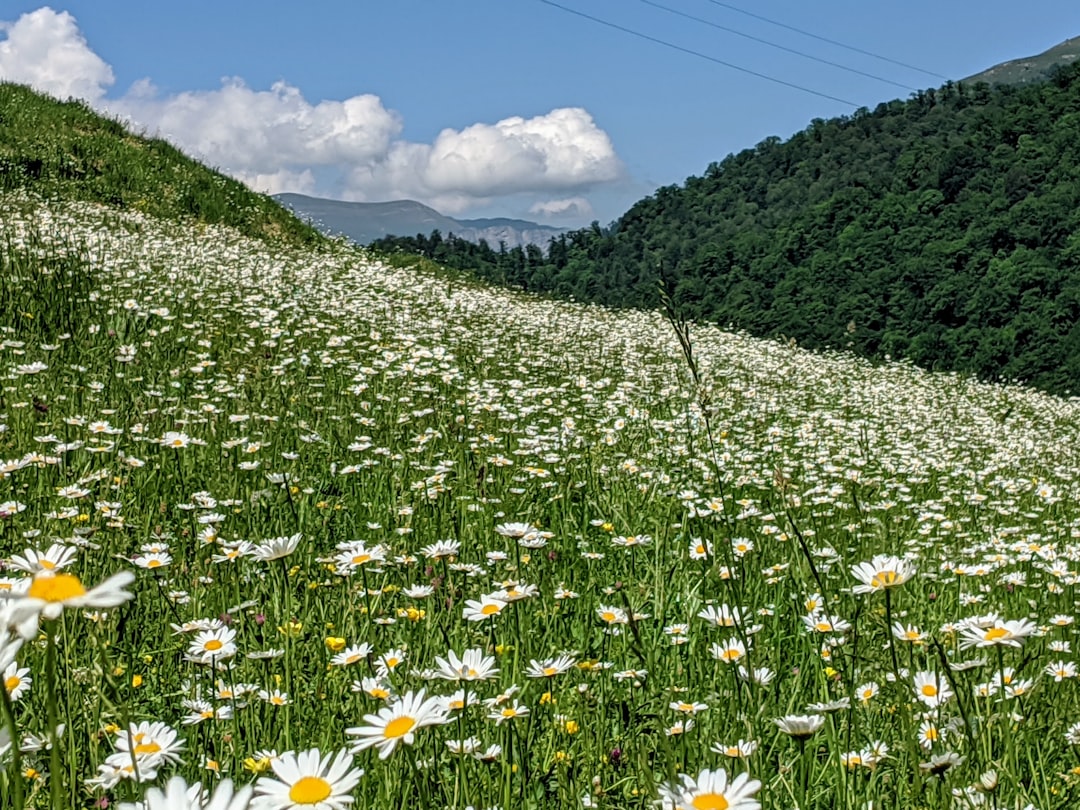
(826, 39)
(776, 45)
(698, 54)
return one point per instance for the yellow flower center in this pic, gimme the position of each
(929, 690)
(994, 633)
(213, 645)
(509, 712)
(360, 559)
(489, 610)
(12, 683)
(153, 563)
(147, 748)
(607, 616)
(549, 671)
(57, 588)
(381, 694)
(883, 579)
(309, 790)
(398, 727)
(47, 565)
(823, 627)
(709, 801)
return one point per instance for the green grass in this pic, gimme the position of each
(330, 395)
(65, 150)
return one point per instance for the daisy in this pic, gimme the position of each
(374, 687)
(178, 796)
(353, 556)
(867, 692)
(820, 623)
(54, 558)
(486, 608)
(723, 616)
(307, 779)
(398, 723)
(740, 750)
(275, 698)
(150, 743)
(800, 726)
(882, 572)
(711, 789)
(174, 439)
(473, 665)
(276, 548)
(50, 593)
(443, 548)
(511, 711)
(687, 707)
(389, 661)
(16, 681)
(153, 560)
(1003, 633)
(200, 710)
(211, 646)
(1060, 670)
(931, 689)
(550, 667)
(459, 700)
(351, 655)
(730, 652)
(612, 615)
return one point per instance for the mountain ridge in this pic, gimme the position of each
(365, 222)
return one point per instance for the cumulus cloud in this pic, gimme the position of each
(563, 150)
(46, 50)
(274, 139)
(263, 131)
(568, 208)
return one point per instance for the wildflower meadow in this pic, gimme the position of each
(297, 527)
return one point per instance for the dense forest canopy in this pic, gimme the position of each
(944, 229)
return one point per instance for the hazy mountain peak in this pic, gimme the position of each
(365, 222)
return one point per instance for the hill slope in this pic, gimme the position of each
(1032, 68)
(65, 149)
(944, 229)
(365, 222)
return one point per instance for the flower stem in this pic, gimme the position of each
(56, 774)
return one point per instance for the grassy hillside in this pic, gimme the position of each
(66, 150)
(330, 499)
(1032, 68)
(944, 229)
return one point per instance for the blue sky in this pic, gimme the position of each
(430, 82)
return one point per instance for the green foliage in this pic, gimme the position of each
(66, 150)
(944, 229)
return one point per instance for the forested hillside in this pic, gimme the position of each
(944, 229)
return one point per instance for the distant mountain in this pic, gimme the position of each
(1031, 68)
(366, 222)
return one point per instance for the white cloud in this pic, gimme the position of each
(264, 131)
(302, 182)
(568, 208)
(46, 50)
(274, 139)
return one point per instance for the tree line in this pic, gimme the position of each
(944, 228)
